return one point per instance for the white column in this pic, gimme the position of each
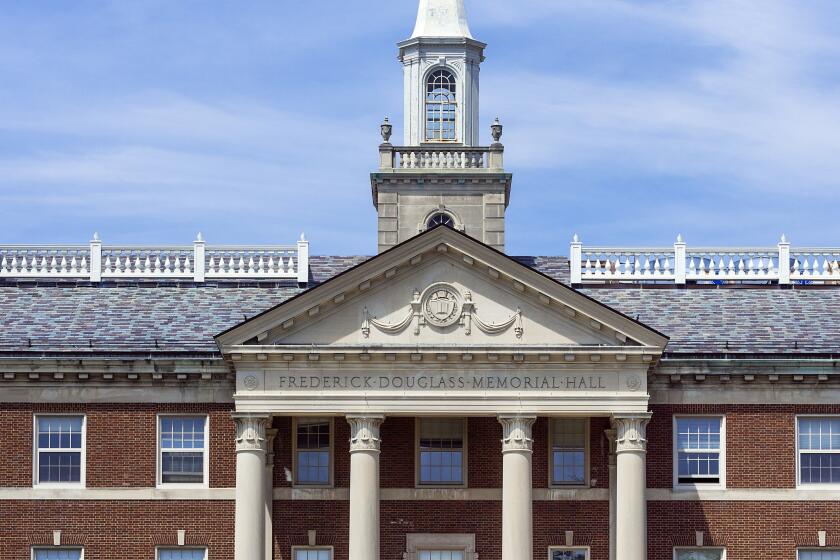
(611, 465)
(250, 486)
(364, 486)
(631, 503)
(517, 491)
(270, 434)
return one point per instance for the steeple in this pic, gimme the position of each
(441, 64)
(442, 18)
(442, 174)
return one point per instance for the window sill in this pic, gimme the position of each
(698, 487)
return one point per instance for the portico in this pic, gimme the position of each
(442, 326)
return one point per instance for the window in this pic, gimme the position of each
(183, 450)
(569, 437)
(819, 450)
(440, 219)
(699, 451)
(313, 444)
(440, 555)
(699, 554)
(441, 106)
(312, 554)
(60, 450)
(441, 449)
(555, 553)
(182, 554)
(57, 554)
(821, 554)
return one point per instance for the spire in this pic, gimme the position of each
(442, 18)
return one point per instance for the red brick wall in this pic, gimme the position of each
(760, 443)
(121, 442)
(754, 530)
(111, 530)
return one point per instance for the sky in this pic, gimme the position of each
(626, 121)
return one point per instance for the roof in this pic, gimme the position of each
(151, 318)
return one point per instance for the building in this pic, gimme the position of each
(438, 401)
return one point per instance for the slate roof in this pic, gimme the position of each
(168, 317)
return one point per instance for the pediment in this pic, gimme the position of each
(442, 289)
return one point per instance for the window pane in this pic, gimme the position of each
(182, 467)
(59, 467)
(182, 432)
(819, 434)
(181, 554)
(313, 452)
(60, 432)
(568, 437)
(568, 554)
(58, 554)
(819, 555)
(441, 450)
(698, 443)
(699, 554)
(313, 554)
(819, 468)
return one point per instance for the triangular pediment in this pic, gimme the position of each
(442, 289)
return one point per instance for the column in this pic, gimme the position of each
(250, 486)
(364, 486)
(611, 465)
(517, 491)
(631, 483)
(270, 435)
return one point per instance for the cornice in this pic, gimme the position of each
(112, 370)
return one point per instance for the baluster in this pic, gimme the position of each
(645, 265)
(587, 268)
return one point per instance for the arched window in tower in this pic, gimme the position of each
(440, 107)
(440, 219)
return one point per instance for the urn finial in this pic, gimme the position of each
(386, 129)
(496, 130)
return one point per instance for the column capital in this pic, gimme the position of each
(250, 431)
(631, 432)
(516, 432)
(611, 439)
(364, 432)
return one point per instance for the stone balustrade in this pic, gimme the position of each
(441, 157)
(197, 262)
(680, 264)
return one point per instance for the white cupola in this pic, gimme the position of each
(441, 63)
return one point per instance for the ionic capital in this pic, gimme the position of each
(250, 432)
(516, 433)
(631, 432)
(364, 433)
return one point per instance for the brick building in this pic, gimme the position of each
(438, 401)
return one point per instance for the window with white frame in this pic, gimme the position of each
(441, 451)
(313, 451)
(699, 450)
(312, 553)
(441, 106)
(818, 554)
(182, 446)
(182, 553)
(568, 553)
(440, 555)
(57, 554)
(819, 450)
(568, 451)
(700, 553)
(59, 450)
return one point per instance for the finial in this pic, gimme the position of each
(386, 129)
(302, 236)
(575, 238)
(199, 238)
(679, 238)
(784, 238)
(96, 236)
(496, 130)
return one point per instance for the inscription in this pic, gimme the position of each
(443, 382)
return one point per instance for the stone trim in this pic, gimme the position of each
(415, 542)
(250, 432)
(364, 433)
(631, 432)
(516, 433)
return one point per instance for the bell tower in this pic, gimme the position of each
(441, 175)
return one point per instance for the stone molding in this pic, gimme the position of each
(415, 542)
(611, 440)
(631, 432)
(364, 433)
(251, 432)
(516, 432)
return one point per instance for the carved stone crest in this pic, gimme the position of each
(441, 305)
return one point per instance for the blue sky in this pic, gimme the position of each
(627, 122)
